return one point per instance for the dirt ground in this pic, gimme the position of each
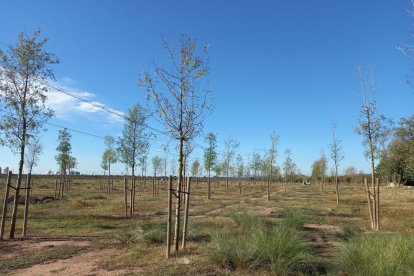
(85, 263)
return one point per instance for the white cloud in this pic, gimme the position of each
(67, 107)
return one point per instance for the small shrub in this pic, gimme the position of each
(257, 243)
(293, 218)
(98, 197)
(378, 254)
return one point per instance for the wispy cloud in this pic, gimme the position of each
(67, 107)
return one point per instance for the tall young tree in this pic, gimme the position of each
(210, 157)
(239, 166)
(371, 127)
(319, 170)
(274, 138)
(156, 165)
(180, 100)
(195, 168)
(256, 163)
(34, 150)
(143, 164)
(134, 140)
(109, 155)
(64, 151)
(289, 167)
(24, 68)
(230, 147)
(336, 156)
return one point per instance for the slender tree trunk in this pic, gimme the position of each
(187, 206)
(371, 217)
(374, 190)
(19, 181)
(126, 196)
(377, 211)
(6, 201)
(169, 216)
(227, 183)
(26, 205)
(336, 185)
(178, 205)
(209, 186)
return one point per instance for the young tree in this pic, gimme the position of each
(134, 140)
(34, 150)
(143, 164)
(289, 167)
(319, 169)
(230, 147)
(64, 151)
(371, 126)
(24, 69)
(210, 157)
(109, 155)
(104, 164)
(239, 166)
(256, 163)
(336, 156)
(218, 169)
(195, 168)
(179, 100)
(133, 144)
(350, 172)
(274, 138)
(156, 165)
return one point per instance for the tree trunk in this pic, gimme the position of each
(377, 211)
(374, 190)
(371, 217)
(169, 216)
(336, 185)
(26, 205)
(187, 206)
(208, 186)
(126, 196)
(6, 199)
(178, 205)
(19, 181)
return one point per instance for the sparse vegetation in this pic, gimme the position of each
(377, 254)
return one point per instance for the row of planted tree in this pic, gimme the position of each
(61, 189)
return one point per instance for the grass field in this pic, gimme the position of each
(298, 232)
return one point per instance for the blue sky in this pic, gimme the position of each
(287, 66)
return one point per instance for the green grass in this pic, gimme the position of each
(256, 243)
(378, 254)
(29, 259)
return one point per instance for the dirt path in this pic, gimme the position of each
(82, 264)
(321, 238)
(87, 262)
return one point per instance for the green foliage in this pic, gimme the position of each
(230, 147)
(64, 150)
(319, 168)
(256, 164)
(109, 156)
(210, 154)
(24, 69)
(134, 141)
(289, 167)
(156, 164)
(195, 168)
(397, 160)
(259, 244)
(378, 254)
